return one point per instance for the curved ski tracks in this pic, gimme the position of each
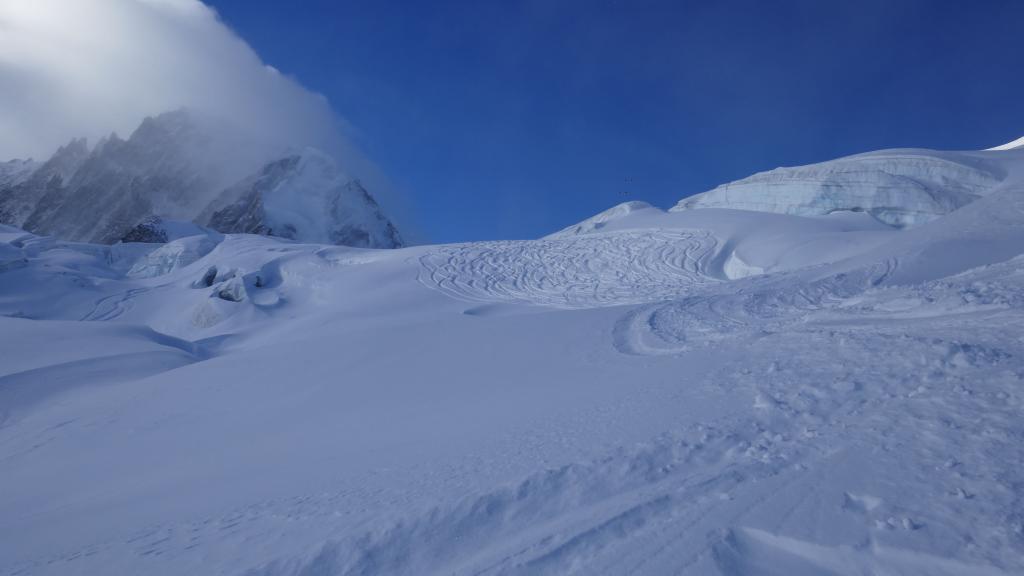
(629, 267)
(762, 306)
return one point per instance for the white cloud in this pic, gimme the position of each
(88, 67)
(72, 68)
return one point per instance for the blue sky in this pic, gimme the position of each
(513, 119)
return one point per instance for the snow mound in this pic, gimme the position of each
(599, 221)
(174, 255)
(900, 187)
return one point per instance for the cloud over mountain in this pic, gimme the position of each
(87, 67)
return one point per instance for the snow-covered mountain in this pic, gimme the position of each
(16, 202)
(304, 197)
(713, 391)
(898, 187)
(14, 172)
(29, 182)
(164, 168)
(1018, 143)
(171, 169)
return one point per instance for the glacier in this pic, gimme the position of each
(792, 379)
(898, 187)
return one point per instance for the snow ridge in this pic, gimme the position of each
(900, 187)
(599, 221)
(1018, 143)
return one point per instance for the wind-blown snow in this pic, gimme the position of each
(706, 391)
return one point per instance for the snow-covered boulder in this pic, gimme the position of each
(233, 290)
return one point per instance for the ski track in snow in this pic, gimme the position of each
(575, 272)
(113, 306)
(768, 304)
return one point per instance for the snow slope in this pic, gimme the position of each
(712, 391)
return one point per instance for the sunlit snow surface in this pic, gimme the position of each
(709, 391)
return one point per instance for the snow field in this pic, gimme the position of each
(709, 391)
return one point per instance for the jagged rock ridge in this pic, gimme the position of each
(124, 190)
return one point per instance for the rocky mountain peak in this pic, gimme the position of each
(303, 196)
(173, 168)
